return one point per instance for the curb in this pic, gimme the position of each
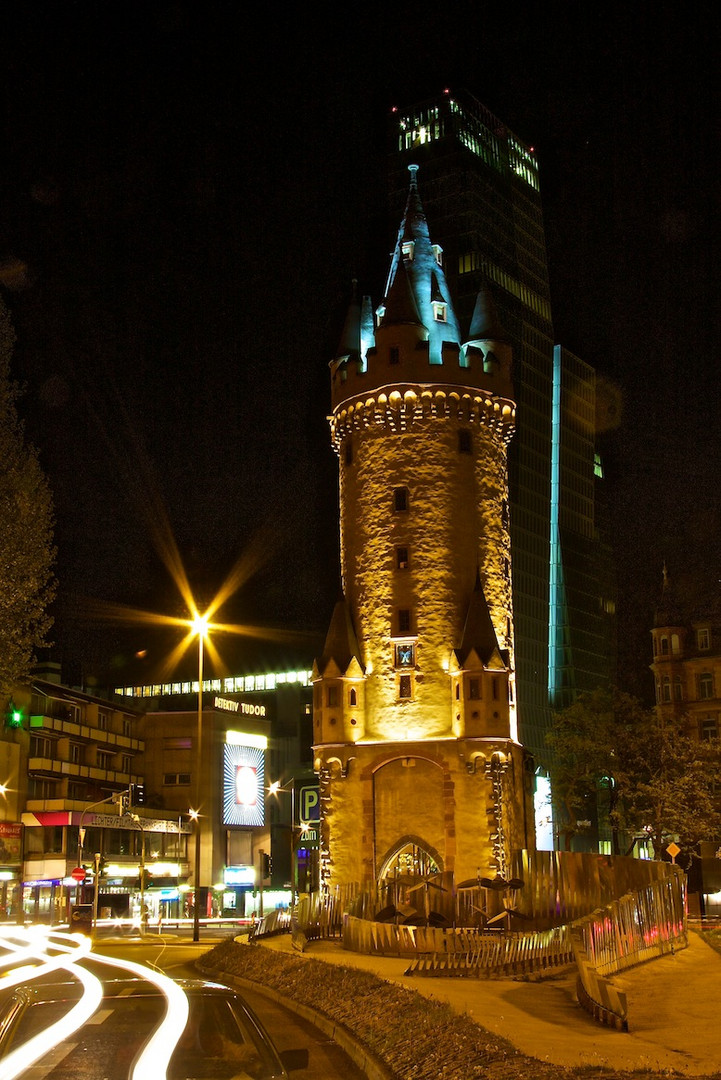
(373, 1067)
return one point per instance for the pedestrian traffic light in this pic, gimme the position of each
(13, 716)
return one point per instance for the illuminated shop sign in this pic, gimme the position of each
(243, 708)
(239, 875)
(243, 784)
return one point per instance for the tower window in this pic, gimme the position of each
(394, 356)
(405, 687)
(440, 311)
(474, 689)
(405, 655)
(702, 638)
(404, 620)
(465, 441)
(401, 558)
(332, 696)
(407, 249)
(666, 689)
(400, 500)
(664, 646)
(353, 700)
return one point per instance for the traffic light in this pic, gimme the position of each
(137, 794)
(267, 865)
(13, 716)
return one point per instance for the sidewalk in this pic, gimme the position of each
(674, 1006)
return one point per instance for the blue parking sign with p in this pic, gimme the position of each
(309, 803)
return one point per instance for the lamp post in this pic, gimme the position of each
(199, 627)
(274, 788)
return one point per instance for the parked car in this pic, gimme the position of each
(222, 1039)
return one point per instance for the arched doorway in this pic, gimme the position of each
(413, 887)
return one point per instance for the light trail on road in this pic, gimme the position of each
(33, 952)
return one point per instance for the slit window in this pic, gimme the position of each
(400, 500)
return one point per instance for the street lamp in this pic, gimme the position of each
(274, 788)
(198, 626)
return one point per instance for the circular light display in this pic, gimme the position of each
(243, 785)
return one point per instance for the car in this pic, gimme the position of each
(222, 1039)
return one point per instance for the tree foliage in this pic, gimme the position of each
(639, 768)
(27, 554)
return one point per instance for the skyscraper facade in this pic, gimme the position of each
(481, 191)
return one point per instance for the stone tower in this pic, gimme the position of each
(415, 729)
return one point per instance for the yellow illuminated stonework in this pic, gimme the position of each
(414, 705)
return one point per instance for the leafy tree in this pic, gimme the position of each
(27, 554)
(671, 784)
(639, 767)
(587, 742)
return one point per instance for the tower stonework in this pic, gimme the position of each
(415, 731)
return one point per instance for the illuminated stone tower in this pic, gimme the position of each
(414, 717)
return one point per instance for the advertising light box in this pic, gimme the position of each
(243, 784)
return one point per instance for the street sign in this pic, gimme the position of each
(78, 875)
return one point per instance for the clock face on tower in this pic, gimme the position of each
(405, 655)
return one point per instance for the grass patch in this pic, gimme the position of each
(417, 1038)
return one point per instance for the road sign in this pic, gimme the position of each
(78, 874)
(309, 803)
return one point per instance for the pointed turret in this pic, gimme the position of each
(668, 612)
(341, 643)
(488, 340)
(478, 632)
(421, 260)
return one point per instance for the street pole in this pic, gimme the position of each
(198, 788)
(96, 890)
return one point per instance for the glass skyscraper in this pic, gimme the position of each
(480, 189)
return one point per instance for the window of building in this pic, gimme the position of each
(465, 441)
(440, 311)
(332, 696)
(353, 696)
(400, 500)
(495, 688)
(664, 646)
(405, 687)
(76, 753)
(404, 620)
(181, 779)
(401, 558)
(105, 759)
(394, 355)
(438, 253)
(77, 790)
(703, 638)
(127, 727)
(708, 728)
(666, 689)
(125, 763)
(474, 688)
(39, 746)
(408, 248)
(677, 689)
(405, 654)
(103, 720)
(705, 685)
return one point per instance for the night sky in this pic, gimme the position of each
(186, 192)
